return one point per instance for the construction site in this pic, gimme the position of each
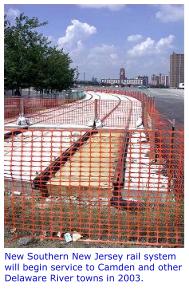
(106, 168)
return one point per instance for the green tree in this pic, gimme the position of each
(56, 73)
(30, 60)
(24, 50)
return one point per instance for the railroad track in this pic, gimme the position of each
(112, 110)
(64, 112)
(81, 106)
(40, 182)
(51, 110)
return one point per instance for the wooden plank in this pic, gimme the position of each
(91, 168)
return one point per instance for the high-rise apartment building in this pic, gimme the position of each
(176, 69)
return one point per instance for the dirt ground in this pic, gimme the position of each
(10, 241)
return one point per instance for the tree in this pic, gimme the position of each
(30, 60)
(24, 49)
(56, 67)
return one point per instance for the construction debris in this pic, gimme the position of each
(67, 237)
(13, 230)
(23, 121)
(76, 236)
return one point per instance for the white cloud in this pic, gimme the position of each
(75, 34)
(112, 7)
(150, 46)
(100, 61)
(12, 13)
(170, 13)
(142, 48)
(134, 37)
(102, 55)
(147, 65)
(164, 43)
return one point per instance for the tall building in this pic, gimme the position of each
(122, 74)
(176, 69)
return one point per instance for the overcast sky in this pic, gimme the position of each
(102, 38)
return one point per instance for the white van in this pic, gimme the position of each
(181, 85)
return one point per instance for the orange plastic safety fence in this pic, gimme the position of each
(152, 119)
(31, 107)
(110, 185)
(112, 113)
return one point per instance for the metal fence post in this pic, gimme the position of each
(22, 110)
(171, 162)
(96, 109)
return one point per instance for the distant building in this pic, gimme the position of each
(94, 79)
(127, 82)
(164, 80)
(144, 79)
(122, 75)
(110, 81)
(123, 80)
(159, 80)
(154, 80)
(133, 81)
(176, 69)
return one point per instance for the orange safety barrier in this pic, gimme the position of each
(30, 106)
(112, 113)
(151, 116)
(122, 186)
(152, 119)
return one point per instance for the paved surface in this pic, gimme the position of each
(170, 102)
